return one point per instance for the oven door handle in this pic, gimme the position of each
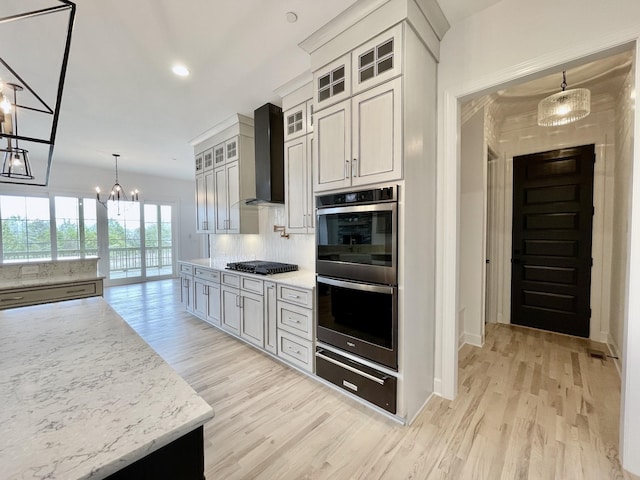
(373, 207)
(364, 287)
(351, 369)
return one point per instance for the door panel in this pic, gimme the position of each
(552, 227)
(332, 165)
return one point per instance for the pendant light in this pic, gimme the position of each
(564, 107)
(117, 192)
(15, 162)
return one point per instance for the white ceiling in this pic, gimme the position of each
(120, 95)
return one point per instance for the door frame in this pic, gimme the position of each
(447, 218)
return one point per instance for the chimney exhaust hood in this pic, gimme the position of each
(269, 155)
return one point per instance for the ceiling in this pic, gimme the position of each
(120, 95)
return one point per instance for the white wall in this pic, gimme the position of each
(506, 43)
(620, 220)
(267, 244)
(472, 237)
(78, 180)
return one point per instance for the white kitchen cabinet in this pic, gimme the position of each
(227, 178)
(296, 327)
(200, 302)
(219, 157)
(252, 318)
(186, 286)
(204, 202)
(332, 83)
(233, 184)
(213, 303)
(359, 141)
(378, 60)
(298, 120)
(270, 318)
(199, 164)
(298, 185)
(230, 309)
(206, 294)
(332, 147)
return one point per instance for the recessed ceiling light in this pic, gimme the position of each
(292, 17)
(180, 70)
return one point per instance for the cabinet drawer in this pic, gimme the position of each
(296, 320)
(230, 279)
(295, 350)
(365, 382)
(185, 268)
(50, 294)
(295, 295)
(252, 285)
(206, 274)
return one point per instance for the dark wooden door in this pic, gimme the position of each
(552, 223)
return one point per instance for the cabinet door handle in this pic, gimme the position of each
(347, 169)
(354, 168)
(76, 290)
(11, 299)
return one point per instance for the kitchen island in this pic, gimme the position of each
(84, 397)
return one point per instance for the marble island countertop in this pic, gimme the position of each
(300, 278)
(83, 395)
(29, 282)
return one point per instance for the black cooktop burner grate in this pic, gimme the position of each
(262, 267)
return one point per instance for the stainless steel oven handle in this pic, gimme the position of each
(375, 207)
(351, 369)
(365, 287)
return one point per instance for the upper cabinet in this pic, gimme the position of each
(298, 121)
(225, 177)
(358, 140)
(332, 83)
(378, 60)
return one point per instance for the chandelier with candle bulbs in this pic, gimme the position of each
(117, 193)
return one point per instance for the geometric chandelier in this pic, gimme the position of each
(564, 107)
(33, 65)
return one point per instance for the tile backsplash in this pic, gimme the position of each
(267, 245)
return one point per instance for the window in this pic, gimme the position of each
(76, 227)
(331, 84)
(158, 240)
(124, 240)
(26, 228)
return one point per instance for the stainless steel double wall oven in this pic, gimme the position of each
(357, 292)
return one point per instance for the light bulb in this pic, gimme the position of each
(16, 161)
(97, 189)
(5, 105)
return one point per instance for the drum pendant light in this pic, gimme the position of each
(564, 107)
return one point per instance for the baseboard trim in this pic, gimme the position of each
(421, 408)
(613, 350)
(437, 386)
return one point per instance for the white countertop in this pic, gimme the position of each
(30, 282)
(301, 278)
(83, 395)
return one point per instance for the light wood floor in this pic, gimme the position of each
(531, 405)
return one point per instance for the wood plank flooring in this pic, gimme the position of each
(531, 405)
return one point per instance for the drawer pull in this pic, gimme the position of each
(11, 299)
(294, 351)
(351, 369)
(293, 320)
(290, 295)
(350, 385)
(77, 290)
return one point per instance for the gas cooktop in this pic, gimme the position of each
(262, 267)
